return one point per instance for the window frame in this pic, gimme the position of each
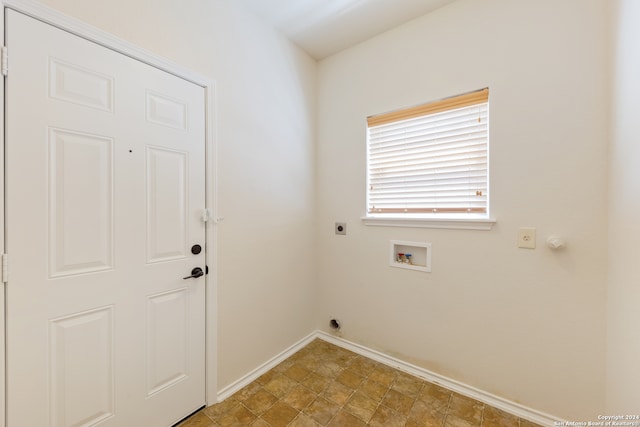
(451, 220)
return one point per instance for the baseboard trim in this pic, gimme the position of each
(264, 368)
(516, 409)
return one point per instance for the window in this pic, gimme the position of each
(430, 161)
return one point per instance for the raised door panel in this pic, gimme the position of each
(81, 368)
(80, 203)
(167, 201)
(166, 111)
(78, 85)
(167, 346)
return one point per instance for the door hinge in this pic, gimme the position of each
(5, 61)
(5, 268)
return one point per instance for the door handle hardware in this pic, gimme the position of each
(195, 273)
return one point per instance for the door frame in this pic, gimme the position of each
(91, 33)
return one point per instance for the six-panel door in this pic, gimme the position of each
(105, 191)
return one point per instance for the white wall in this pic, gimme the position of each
(527, 325)
(265, 115)
(623, 298)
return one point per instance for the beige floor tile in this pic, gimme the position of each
(435, 396)
(383, 375)
(374, 390)
(197, 420)
(387, 417)
(361, 406)
(454, 421)
(466, 408)
(423, 414)
(266, 377)
(238, 416)
(349, 378)
(280, 414)
(297, 372)
(218, 410)
(316, 383)
(246, 392)
(260, 423)
(260, 401)
(283, 366)
(398, 402)
(299, 397)
(338, 393)
(303, 420)
(408, 385)
(362, 366)
(321, 410)
(493, 417)
(425, 423)
(329, 370)
(280, 385)
(344, 357)
(309, 363)
(345, 419)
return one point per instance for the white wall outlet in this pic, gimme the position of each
(341, 228)
(527, 238)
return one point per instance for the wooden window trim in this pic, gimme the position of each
(465, 100)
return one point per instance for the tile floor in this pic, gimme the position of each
(325, 385)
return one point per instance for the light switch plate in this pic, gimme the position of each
(527, 238)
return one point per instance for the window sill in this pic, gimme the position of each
(449, 223)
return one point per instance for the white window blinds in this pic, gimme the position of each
(430, 159)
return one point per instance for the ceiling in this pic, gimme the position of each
(325, 27)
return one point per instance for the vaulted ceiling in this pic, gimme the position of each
(325, 27)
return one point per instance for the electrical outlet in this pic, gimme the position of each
(527, 238)
(341, 228)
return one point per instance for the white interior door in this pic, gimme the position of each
(105, 168)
